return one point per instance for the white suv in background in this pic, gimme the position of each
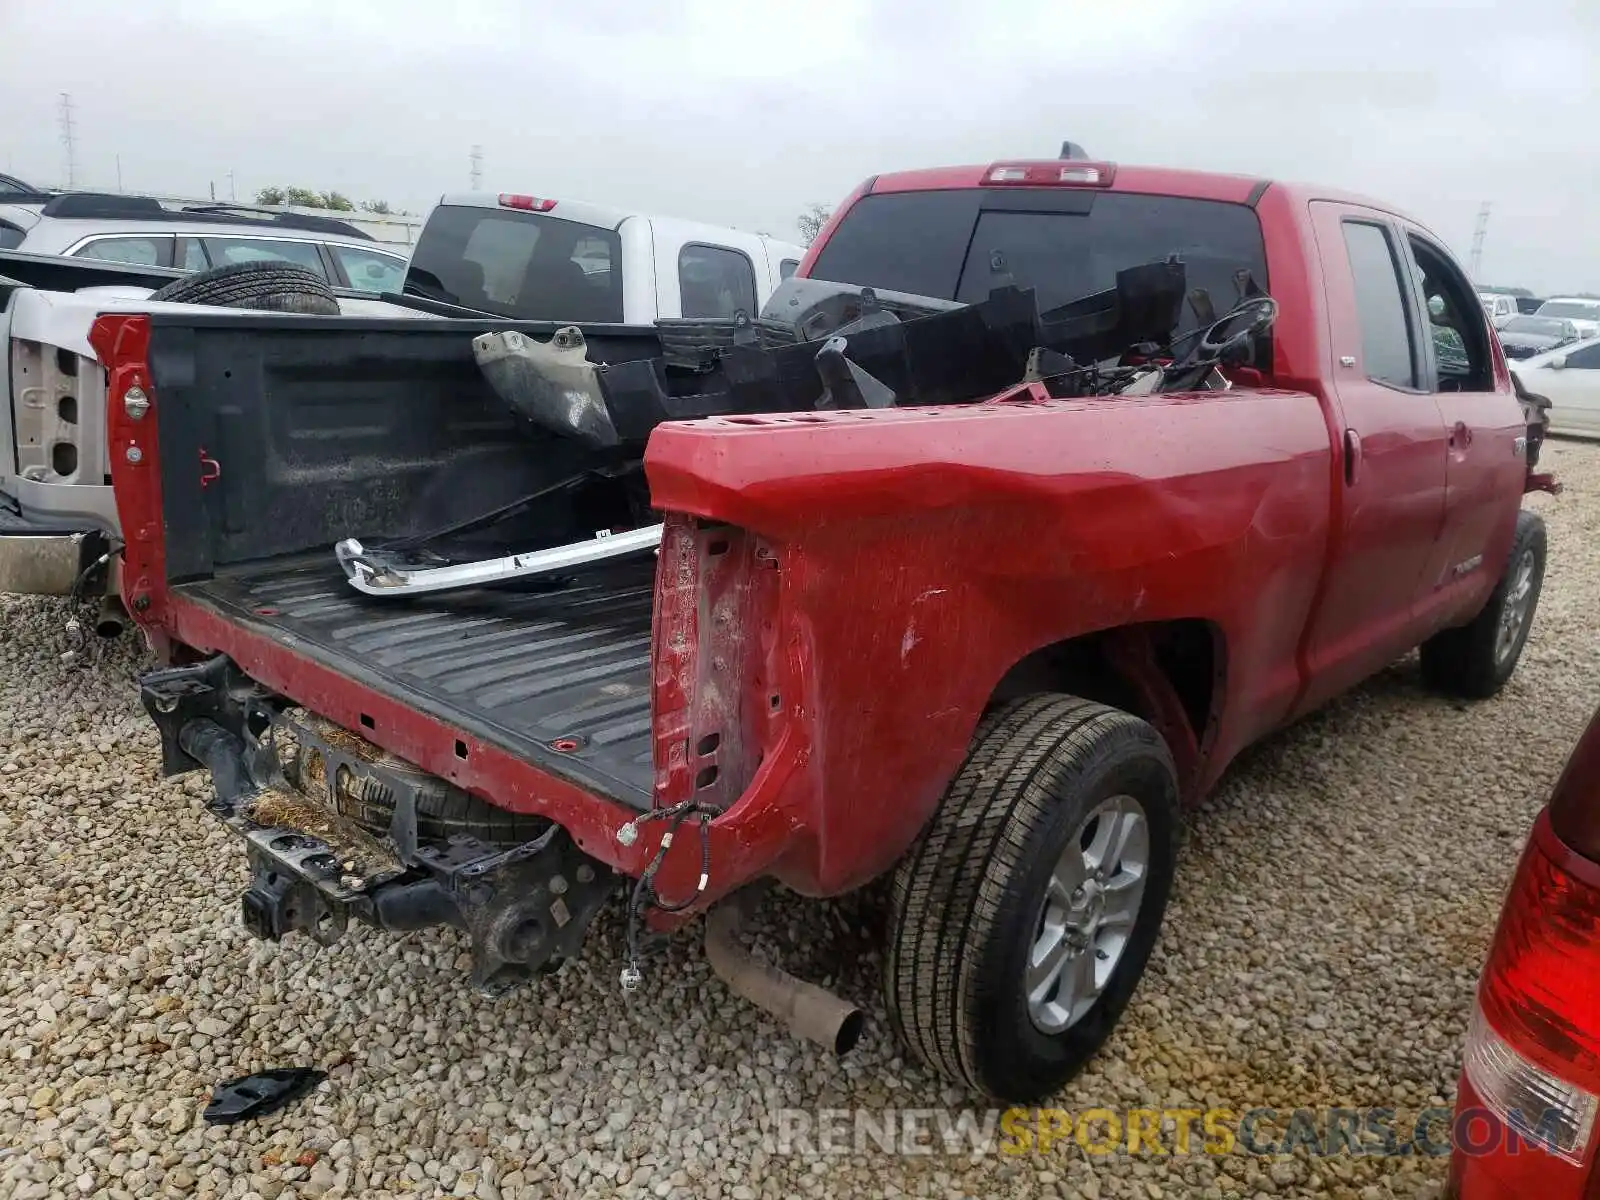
(1582, 311)
(141, 231)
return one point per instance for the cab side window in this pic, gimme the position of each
(1586, 359)
(715, 281)
(1459, 333)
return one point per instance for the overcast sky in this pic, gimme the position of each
(740, 112)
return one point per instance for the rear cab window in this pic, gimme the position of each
(1063, 243)
(524, 265)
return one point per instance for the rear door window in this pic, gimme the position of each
(145, 250)
(1386, 352)
(191, 255)
(715, 281)
(523, 265)
(369, 271)
(226, 250)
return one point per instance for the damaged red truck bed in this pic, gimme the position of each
(987, 646)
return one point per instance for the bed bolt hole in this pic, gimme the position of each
(774, 702)
(367, 722)
(708, 744)
(707, 776)
(461, 748)
(720, 546)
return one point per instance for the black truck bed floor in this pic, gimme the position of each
(519, 670)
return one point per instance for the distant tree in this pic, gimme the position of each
(811, 221)
(270, 195)
(381, 207)
(337, 201)
(304, 197)
(1504, 291)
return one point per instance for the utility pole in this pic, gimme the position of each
(119, 172)
(232, 195)
(69, 139)
(1475, 260)
(476, 175)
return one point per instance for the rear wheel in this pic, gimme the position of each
(1024, 916)
(1476, 660)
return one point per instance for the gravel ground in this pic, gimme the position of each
(1335, 900)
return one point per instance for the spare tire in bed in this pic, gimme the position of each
(269, 286)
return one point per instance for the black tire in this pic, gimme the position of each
(1471, 661)
(269, 286)
(968, 899)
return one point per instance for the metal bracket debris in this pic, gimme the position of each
(260, 1094)
(380, 574)
(551, 383)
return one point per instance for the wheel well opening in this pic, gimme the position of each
(1126, 666)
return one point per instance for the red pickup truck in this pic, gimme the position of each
(990, 644)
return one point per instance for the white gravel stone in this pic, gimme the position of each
(1335, 899)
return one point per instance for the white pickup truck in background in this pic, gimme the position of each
(536, 259)
(482, 260)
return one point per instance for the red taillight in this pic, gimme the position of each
(529, 203)
(1533, 1055)
(1051, 174)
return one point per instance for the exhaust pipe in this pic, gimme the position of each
(809, 1011)
(112, 618)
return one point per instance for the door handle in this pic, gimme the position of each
(1352, 457)
(1460, 436)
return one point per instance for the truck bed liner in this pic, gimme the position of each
(521, 670)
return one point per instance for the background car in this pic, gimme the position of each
(1530, 1089)
(1582, 311)
(1570, 377)
(1523, 337)
(142, 231)
(12, 189)
(1500, 306)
